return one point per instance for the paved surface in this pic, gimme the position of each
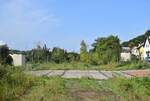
(95, 74)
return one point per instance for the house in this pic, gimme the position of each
(125, 54)
(141, 51)
(144, 50)
(135, 51)
(18, 59)
(147, 49)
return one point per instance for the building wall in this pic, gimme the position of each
(125, 56)
(135, 51)
(18, 59)
(141, 51)
(146, 48)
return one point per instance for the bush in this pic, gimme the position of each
(5, 58)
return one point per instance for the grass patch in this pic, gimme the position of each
(135, 89)
(62, 66)
(13, 83)
(84, 66)
(133, 65)
(117, 89)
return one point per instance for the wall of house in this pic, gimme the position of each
(141, 50)
(18, 59)
(125, 56)
(146, 48)
(135, 51)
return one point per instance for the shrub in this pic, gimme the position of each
(5, 58)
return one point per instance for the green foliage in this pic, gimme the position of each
(136, 41)
(116, 89)
(94, 58)
(84, 56)
(73, 57)
(13, 83)
(133, 65)
(5, 58)
(39, 54)
(61, 66)
(13, 51)
(58, 55)
(130, 89)
(103, 48)
(134, 59)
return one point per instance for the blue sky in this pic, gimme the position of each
(64, 23)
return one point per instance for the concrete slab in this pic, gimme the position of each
(56, 73)
(101, 75)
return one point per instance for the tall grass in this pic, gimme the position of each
(86, 66)
(134, 89)
(61, 66)
(13, 83)
(133, 65)
(84, 89)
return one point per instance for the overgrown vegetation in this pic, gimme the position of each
(133, 65)
(5, 58)
(85, 66)
(13, 83)
(105, 50)
(117, 89)
(17, 86)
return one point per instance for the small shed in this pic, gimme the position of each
(125, 54)
(18, 59)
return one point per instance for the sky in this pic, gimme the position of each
(64, 23)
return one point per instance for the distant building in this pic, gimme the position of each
(147, 49)
(141, 51)
(135, 51)
(144, 50)
(125, 54)
(18, 59)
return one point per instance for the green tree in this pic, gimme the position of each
(84, 56)
(5, 58)
(72, 57)
(106, 50)
(58, 55)
(40, 54)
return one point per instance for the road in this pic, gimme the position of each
(95, 74)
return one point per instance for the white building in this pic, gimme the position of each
(135, 51)
(125, 54)
(147, 49)
(18, 59)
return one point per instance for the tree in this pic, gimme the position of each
(84, 56)
(106, 49)
(5, 58)
(58, 55)
(72, 57)
(40, 54)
